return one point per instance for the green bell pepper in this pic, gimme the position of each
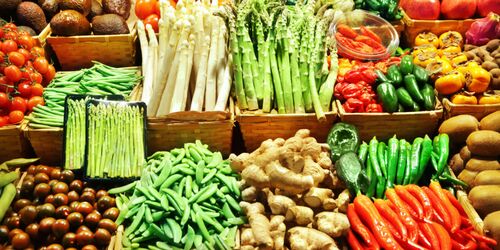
(381, 77)
(394, 75)
(429, 97)
(343, 138)
(387, 95)
(412, 88)
(406, 65)
(404, 99)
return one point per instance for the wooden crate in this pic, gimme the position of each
(212, 128)
(12, 143)
(256, 128)
(415, 27)
(77, 52)
(477, 110)
(406, 125)
(47, 144)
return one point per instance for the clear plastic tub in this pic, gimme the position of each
(357, 18)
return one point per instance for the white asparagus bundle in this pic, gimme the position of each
(189, 66)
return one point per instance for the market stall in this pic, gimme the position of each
(256, 124)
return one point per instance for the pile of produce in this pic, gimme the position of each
(186, 198)
(413, 218)
(188, 67)
(149, 12)
(57, 211)
(365, 41)
(388, 10)
(289, 187)
(448, 9)
(23, 70)
(282, 57)
(116, 139)
(488, 56)
(7, 179)
(98, 80)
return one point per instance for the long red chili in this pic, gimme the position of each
(386, 212)
(452, 211)
(465, 222)
(353, 241)
(392, 229)
(455, 202)
(410, 245)
(427, 230)
(422, 240)
(483, 246)
(438, 207)
(405, 217)
(391, 194)
(368, 213)
(358, 227)
(471, 245)
(443, 236)
(417, 192)
(483, 238)
(410, 200)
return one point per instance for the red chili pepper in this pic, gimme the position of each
(374, 108)
(405, 217)
(368, 213)
(455, 202)
(427, 230)
(347, 31)
(452, 211)
(422, 240)
(483, 246)
(367, 32)
(352, 90)
(443, 236)
(358, 227)
(386, 212)
(483, 238)
(410, 245)
(466, 222)
(355, 104)
(439, 207)
(394, 197)
(392, 229)
(378, 47)
(471, 245)
(410, 200)
(437, 217)
(353, 241)
(418, 193)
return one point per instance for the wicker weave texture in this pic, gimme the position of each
(477, 110)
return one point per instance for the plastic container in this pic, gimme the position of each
(357, 18)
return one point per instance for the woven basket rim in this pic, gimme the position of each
(448, 105)
(437, 111)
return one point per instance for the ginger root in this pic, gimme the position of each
(302, 216)
(303, 238)
(247, 237)
(249, 194)
(259, 223)
(331, 223)
(316, 197)
(278, 231)
(278, 204)
(343, 201)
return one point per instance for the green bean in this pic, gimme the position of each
(136, 221)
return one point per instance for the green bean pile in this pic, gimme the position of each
(186, 198)
(100, 79)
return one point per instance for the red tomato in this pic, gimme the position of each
(25, 41)
(9, 46)
(153, 21)
(2, 55)
(10, 26)
(16, 116)
(11, 35)
(34, 101)
(37, 89)
(3, 82)
(50, 74)
(144, 8)
(1, 33)
(16, 58)
(37, 51)
(157, 8)
(41, 65)
(24, 89)
(36, 77)
(13, 73)
(4, 121)
(18, 103)
(4, 100)
(26, 53)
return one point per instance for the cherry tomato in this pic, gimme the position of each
(50, 74)
(16, 116)
(35, 101)
(157, 8)
(1, 34)
(37, 89)
(26, 53)
(2, 55)
(16, 58)
(153, 21)
(13, 73)
(144, 8)
(41, 65)
(24, 89)
(10, 26)
(3, 121)
(36, 77)
(9, 46)
(4, 100)
(25, 41)
(18, 103)
(4, 82)
(11, 35)
(37, 51)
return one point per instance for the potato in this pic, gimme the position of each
(467, 176)
(491, 122)
(456, 164)
(485, 199)
(481, 164)
(465, 154)
(484, 143)
(492, 226)
(487, 177)
(459, 127)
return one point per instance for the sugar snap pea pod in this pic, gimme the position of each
(154, 204)
(187, 211)
(154, 193)
(182, 184)
(198, 194)
(148, 216)
(191, 163)
(189, 190)
(176, 230)
(174, 204)
(195, 155)
(121, 216)
(220, 244)
(198, 240)
(183, 168)
(137, 220)
(216, 160)
(233, 203)
(203, 229)
(170, 180)
(145, 192)
(166, 166)
(137, 201)
(158, 216)
(168, 232)
(199, 172)
(209, 176)
(189, 239)
(164, 202)
(236, 221)
(163, 245)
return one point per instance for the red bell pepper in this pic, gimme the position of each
(351, 91)
(353, 105)
(362, 73)
(374, 108)
(339, 86)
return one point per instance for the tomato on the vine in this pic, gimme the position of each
(37, 89)
(16, 58)
(50, 74)
(26, 53)
(4, 100)
(9, 46)
(10, 35)
(25, 41)
(4, 82)
(18, 103)
(37, 51)
(144, 8)
(153, 21)
(10, 26)
(36, 77)
(34, 101)
(2, 55)
(24, 89)
(13, 73)
(4, 121)
(16, 116)
(41, 65)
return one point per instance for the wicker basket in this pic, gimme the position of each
(415, 27)
(406, 125)
(256, 128)
(76, 52)
(212, 128)
(12, 143)
(477, 110)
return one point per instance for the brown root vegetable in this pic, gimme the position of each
(259, 223)
(249, 194)
(469, 47)
(315, 197)
(278, 231)
(495, 77)
(485, 199)
(246, 237)
(482, 163)
(332, 223)
(301, 215)
(487, 177)
(456, 163)
(492, 45)
(459, 127)
(279, 204)
(484, 143)
(489, 65)
(82, 6)
(119, 7)
(468, 176)
(95, 10)
(491, 121)
(309, 238)
(492, 226)
(465, 154)
(343, 201)
(470, 55)
(109, 24)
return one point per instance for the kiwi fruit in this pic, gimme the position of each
(70, 23)
(30, 14)
(109, 24)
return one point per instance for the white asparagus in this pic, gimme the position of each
(221, 54)
(188, 73)
(211, 87)
(165, 25)
(176, 100)
(199, 92)
(226, 85)
(152, 63)
(147, 71)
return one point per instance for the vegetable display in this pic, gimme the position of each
(389, 10)
(413, 217)
(115, 146)
(448, 9)
(24, 71)
(289, 186)
(188, 67)
(186, 198)
(100, 79)
(363, 41)
(56, 211)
